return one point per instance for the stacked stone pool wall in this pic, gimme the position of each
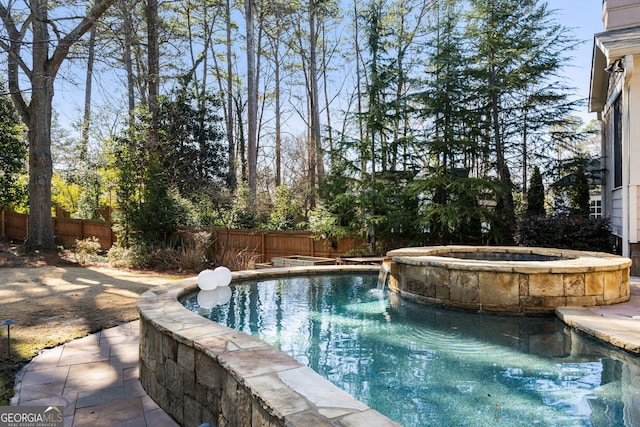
(508, 279)
(199, 371)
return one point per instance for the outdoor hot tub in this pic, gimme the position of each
(508, 279)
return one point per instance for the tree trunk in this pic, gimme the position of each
(278, 112)
(252, 101)
(40, 227)
(128, 59)
(84, 142)
(507, 205)
(153, 58)
(356, 38)
(241, 141)
(37, 113)
(327, 101)
(524, 156)
(314, 99)
(229, 118)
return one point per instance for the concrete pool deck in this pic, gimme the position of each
(96, 378)
(617, 324)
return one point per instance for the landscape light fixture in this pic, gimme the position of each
(8, 324)
(615, 67)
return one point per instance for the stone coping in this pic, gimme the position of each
(561, 260)
(621, 333)
(483, 278)
(199, 371)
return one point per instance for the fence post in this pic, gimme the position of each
(2, 226)
(313, 246)
(264, 247)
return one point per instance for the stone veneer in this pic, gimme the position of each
(200, 371)
(484, 279)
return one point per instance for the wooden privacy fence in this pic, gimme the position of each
(267, 244)
(67, 231)
(261, 244)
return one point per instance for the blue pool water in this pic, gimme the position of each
(425, 366)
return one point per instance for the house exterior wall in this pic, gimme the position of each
(616, 213)
(637, 211)
(612, 195)
(632, 143)
(615, 96)
(607, 167)
(622, 203)
(618, 14)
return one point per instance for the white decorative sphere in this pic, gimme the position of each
(224, 294)
(207, 280)
(208, 299)
(223, 275)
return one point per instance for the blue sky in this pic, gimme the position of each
(584, 17)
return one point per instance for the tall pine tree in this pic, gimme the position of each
(517, 50)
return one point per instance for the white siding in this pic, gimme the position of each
(637, 217)
(616, 213)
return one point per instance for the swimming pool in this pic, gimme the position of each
(421, 365)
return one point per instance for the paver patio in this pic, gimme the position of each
(96, 379)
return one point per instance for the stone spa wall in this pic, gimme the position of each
(508, 279)
(199, 371)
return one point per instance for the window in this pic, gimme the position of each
(595, 207)
(617, 143)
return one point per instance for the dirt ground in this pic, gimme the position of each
(54, 300)
(54, 303)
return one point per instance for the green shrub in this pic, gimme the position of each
(566, 232)
(136, 256)
(87, 250)
(186, 254)
(535, 194)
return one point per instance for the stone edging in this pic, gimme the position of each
(569, 278)
(615, 332)
(199, 371)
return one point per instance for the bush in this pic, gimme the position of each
(566, 232)
(189, 253)
(192, 255)
(164, 259)
(87, 251)
(236, 260)
(136, 256)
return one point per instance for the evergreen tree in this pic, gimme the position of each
(516, 50)
(452, 211)
(193, 155)
(339, 213)
(148, 213)
(13, 155)
(285, 210)
(535, 195)
(243, 213)
(89, 200)
(579, 193)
